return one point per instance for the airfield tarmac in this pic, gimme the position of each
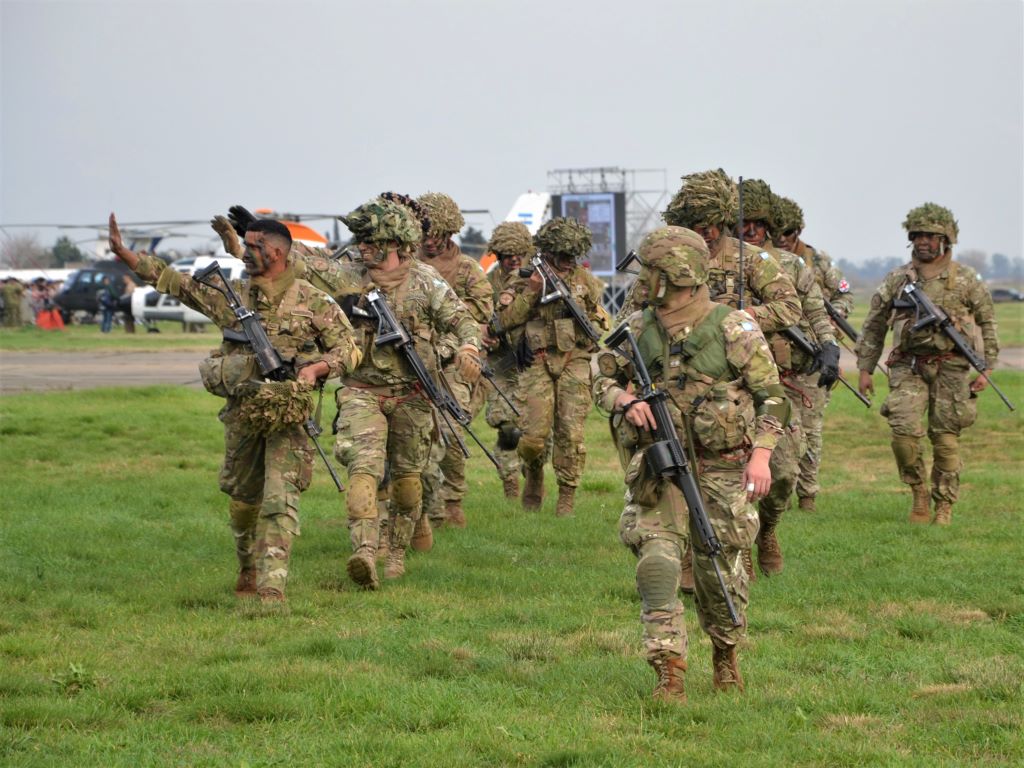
(56, 371)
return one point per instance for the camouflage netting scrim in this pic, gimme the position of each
(277, 405)
(707, 198)
(383, 221)
(786, 215)
(757, 200)
(678, 252)
(445, 216)
(412, 204)
(563, 237)
(511, 238)
(934, 219)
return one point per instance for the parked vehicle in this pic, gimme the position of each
(148, 305)
(1006, 294)
(77, 299)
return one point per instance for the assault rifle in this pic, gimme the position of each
(505, 353)
(271, 366)
(927, 313)
(391, 331)
(666, 457)
(805, 345)
(555, 289)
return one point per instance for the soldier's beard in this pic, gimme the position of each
(925, 254)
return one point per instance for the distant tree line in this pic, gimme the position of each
(25, 252)
(997, 268)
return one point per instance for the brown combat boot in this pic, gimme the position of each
(271, 595)
(566, 494)
(727, 669)
(769, 553)
(807, 504)
(943, 513)
(511, 486)
(384, 537)
(920, 512)
(246, 585)
(533, 488)
(453, 514)
(671, 685)
(686, 572)
(748, 564)
(362, 569)
(423, 535)
(395, 566)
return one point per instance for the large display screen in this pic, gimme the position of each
(604, 213)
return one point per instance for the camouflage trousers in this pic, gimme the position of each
(375, 425)
(785, 466)
(938, 388)
(810, 414)
(553, 397)
(655, 525)
(502, 418)
(264, 476)
(444, 479)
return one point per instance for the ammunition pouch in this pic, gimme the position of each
(724, 420)
(229, 375)
(508, 436)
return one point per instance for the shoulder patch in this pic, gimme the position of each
(320, 264)
(844, 287)
(765, 255)
(505, 299)
(748, 325)
(606, 364)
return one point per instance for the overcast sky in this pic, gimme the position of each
(858, 110)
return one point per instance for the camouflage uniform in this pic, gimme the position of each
(723, 390)
(926, 373)
(12, 293)
(265, 470)
(553, 395)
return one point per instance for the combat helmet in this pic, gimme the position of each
(757, 201)
(511, 238)
(384, 221)
(563, 237)
(679, 253)
(933, 219)
(707, 198)
(445, 217)
(786, 215)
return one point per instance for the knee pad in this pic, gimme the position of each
(508, 436)
(361, 498)
(530, 448)
(406, 491)
(657, 575)
(243, 515)
(946, 448)
(906, 449)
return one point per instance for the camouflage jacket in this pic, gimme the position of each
(830, 280)
(771, 298)
(814, 323)
(428, 308)
(304, 324)
(550, 326)
(957, 289)
(729, 404)
(474, 290)
(323, 269)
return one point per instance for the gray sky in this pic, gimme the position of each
(858, 110)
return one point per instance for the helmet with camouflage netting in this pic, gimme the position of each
(511, 238)
(563, 237)
(384, 221)
(445, 217)
(757, 201)
(707, 198)
(933, 219)
(680, 253)
(786, 215)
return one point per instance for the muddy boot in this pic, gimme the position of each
(511, 486)
(533, 487)
(453, 514)
(670, 685)
(395, 566)
(686, 572)
(727, 669)
(566, 494)
(423, 535)
(920, 511)
(807, 504)
(246, 584)
(748, 564)
(769, 553)
(362, 569)
(943, 513)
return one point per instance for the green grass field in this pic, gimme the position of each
(515, 642)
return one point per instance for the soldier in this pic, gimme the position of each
(444, 481)
(554, 390)
(787, 225)
(383, 415)
(797, 371)
(926, 373)
(512, 243)
(268, 459)
(707, 203)
(12, 293)
(727, 405)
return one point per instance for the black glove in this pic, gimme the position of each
(524, 354)
(240, 219)
(348, 303)
(827, 360)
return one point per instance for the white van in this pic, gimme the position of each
(148, 305)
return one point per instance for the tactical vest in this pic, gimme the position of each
(947, 293)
